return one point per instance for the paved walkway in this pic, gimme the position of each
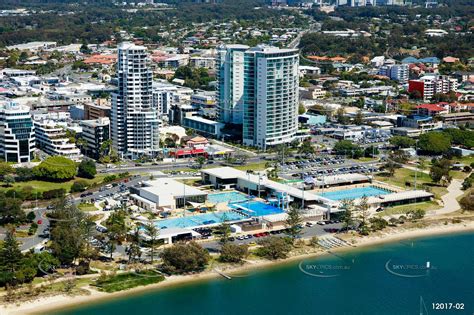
(450, 203)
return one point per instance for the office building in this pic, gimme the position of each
(134, 120)
(17, 135)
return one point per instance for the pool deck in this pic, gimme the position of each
(374, 183)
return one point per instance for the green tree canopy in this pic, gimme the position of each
(434, 143)
(56, 168)
(183, 258)
(86, 169)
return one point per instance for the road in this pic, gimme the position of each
(308, 232)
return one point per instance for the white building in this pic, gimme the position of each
(95, 132)
(17, 135)
(134, 120)
(165, 193)
(258, 87)
(52, 139)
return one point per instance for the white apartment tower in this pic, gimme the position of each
(17, 133)
(134, 120)
(258, 88)
(230, 79)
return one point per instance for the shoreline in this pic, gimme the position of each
(58, 302)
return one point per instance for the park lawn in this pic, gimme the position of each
(259, 166)
(404, 175)
(42, 186)
(87, 207)
(427, 206)
(458, 174)
(126, 281)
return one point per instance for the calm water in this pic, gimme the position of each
(357, 282)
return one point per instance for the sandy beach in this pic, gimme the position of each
(46, 304)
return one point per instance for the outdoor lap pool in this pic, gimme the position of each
(355, 193)
(200, 219)
(230, 197)
(256, 209)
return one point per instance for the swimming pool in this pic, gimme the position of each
(354, 193)
(200, 219)
(256, 209)
(230, 197)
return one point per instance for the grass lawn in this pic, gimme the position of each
(259, 166)
(458, 174)
(404, 175)
(427, 206)
(126, 281)
(87, 207)
(41, 186)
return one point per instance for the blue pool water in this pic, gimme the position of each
(256, 209)
(200, 219)
(230, 197)
(354, 193)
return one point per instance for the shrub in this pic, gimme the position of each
(233, 253)
(274, 248)
(79, 186)
(54, 193)
(183, 258)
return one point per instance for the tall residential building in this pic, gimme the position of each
(259, 87)
(397, 72)
(95, 132)
(230, 79)
(134, 120)
(17, 134)
(428, 86)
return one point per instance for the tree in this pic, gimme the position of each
(152, 233)
(348, 206)
(10, 258)
(184, 258)
(274, 247)
(341, 116)
(200, 160)
(346, 147)
(224, 231)
(10, 210)
(306, 147)
(402, 142)
(5, 169)
(86, 169)
(440, 171)
(467, 202)
(134, 250)
(434, 143)
(117, 228)
(358, 119)
(416, 214)
(56, 168)
(301, 109)
(9, 180)
(377, 224)
(79, 186)
(293, 223)
(363, 209)
(68, 232)
(233, 253)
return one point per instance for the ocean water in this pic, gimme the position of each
(386, 279)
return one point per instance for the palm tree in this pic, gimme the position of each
(152, 232)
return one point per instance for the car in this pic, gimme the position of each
(50, 207)
(309, 224)
(231, 239)
(40, 222)
(321, 223)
